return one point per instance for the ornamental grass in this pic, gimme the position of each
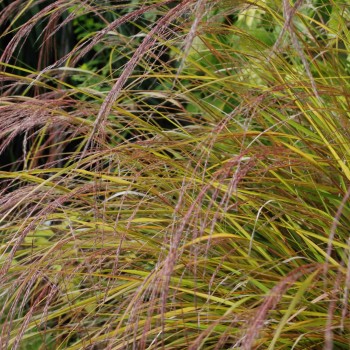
(174, 174)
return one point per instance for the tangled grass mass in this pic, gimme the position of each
(174, 174)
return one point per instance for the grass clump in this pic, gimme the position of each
(182, 175)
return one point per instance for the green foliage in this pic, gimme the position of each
(184, 178)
